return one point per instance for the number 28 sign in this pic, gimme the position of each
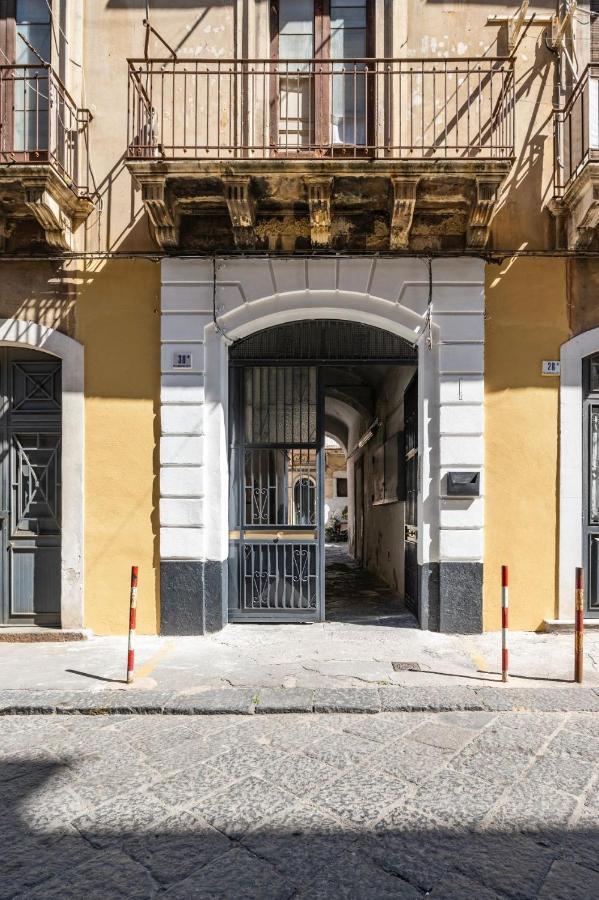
(551, 367)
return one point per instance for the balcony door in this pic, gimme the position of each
(322, 82)
(25, 44)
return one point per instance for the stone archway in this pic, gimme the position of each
(440, 309)
(573, 352)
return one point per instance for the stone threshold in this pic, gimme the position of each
(260, 701)
(33, 634)
(566, 626)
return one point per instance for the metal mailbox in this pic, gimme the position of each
(463, 484)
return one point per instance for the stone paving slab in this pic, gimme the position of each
(295, 806)
(248, 701)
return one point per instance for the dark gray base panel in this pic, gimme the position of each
(451, 597)
(191, 596)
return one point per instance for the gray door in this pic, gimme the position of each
(412, 580)
(30, 507)
(276, 497)
(591, 485)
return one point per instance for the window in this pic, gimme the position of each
(25, 41)
(341, 485)
(322, 80)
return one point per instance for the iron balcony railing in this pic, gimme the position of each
(576, 130)
(41, 123)
(258, 109)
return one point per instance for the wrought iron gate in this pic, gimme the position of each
(412, 589)
(591, 485)
(30, 486)
(276, 458)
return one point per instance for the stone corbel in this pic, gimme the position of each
(242, 210)
(402, 211)
(587, 227)
(46, 211)
(161, 213)
(6, 229)
(560, 213)
(482, 212)
(320, 191)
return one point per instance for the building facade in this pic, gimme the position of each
(228, 231)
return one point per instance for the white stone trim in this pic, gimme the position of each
(19, 333)
(572, 354)
(389, 293)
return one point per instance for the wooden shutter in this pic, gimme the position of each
(8, 9)
(594, 10)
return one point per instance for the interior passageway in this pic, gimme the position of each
(353, 594)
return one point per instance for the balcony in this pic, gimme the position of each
(293, 154)
(43, 159)
(576, 181)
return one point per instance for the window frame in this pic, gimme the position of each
(321, 139)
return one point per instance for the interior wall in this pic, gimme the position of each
(335, 466)
(384, 523)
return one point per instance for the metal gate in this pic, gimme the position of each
(30, 486)
(412, 589)
(276, 460)
(276, 420)
(591, 485)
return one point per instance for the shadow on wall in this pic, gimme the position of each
(48, 299)
(153, 843)
(510, 228)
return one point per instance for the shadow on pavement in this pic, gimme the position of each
(138, 846)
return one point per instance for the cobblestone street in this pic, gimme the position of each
(404, 805)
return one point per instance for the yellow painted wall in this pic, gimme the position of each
(527, 321)
(118, 322)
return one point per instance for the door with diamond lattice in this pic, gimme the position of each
(30, 501)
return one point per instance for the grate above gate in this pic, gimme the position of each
(326, 340)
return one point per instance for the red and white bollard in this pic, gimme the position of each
(132, 624)
(504, 623)
(579, 627)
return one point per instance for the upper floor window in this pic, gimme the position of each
(25, 42)
(323, 78)
(34, 30)
(25, 31)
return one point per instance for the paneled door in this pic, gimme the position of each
(591, 485)
(412, 590)
(276, 495)
(30, 487)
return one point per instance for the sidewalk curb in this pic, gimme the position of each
(264, 701)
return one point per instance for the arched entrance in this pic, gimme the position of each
(41, 469)
(30, 486)
(211, 305)
(579, 471)
(281, 380)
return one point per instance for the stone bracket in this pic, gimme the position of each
(6, 229)
(46, 210)
(161, 213)
(587, 226)
(320, 190)
(560, 212)
(242, 210)
(487, 190)
(402, 211)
